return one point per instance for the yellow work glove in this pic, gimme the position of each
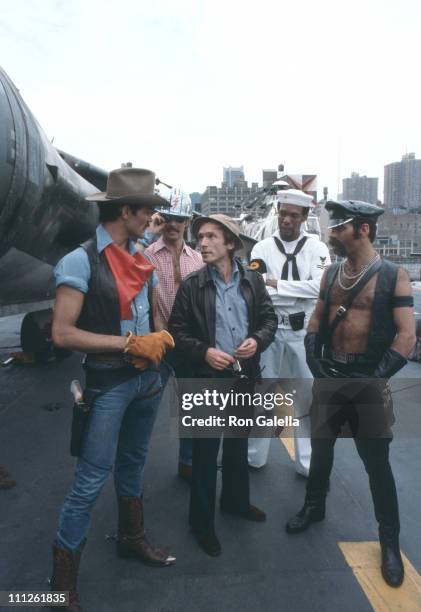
(152, 346)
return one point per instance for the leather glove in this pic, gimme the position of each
(318, 367)
(151, 347)
(140, 363)
(391, 362)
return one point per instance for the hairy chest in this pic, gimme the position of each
(363, 301)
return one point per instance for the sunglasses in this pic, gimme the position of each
(169, 218)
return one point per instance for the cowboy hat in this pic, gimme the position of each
(130, 186)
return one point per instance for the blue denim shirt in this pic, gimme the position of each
(74, 270)
(231, 320)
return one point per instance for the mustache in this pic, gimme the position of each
(338, 246)
(335, 242)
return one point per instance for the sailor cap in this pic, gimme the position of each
(294, 197)
(344, 211)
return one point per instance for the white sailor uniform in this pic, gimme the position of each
(285, 357)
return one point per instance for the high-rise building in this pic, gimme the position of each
(399, 234)
(195, 200)
(362, 188)
(269, 177)
(233, 175)
(225, 199)
(402, 184)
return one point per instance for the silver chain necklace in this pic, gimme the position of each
(361, 271)
(342, 275)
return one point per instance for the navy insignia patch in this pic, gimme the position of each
(258, 265)
(322, 263)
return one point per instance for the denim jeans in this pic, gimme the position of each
(168, 369)
(119, 432)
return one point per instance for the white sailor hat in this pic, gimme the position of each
(294, 197)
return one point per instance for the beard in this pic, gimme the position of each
(338, 247)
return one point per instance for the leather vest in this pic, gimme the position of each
(101, 315)
(101, 309)
(382, 327)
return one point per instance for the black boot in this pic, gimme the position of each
(312, 512)
(392, 565)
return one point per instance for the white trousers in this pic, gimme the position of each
(285, 358)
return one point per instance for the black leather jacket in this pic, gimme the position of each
(192, 320)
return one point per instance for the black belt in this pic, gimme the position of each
(348, 362)
(341, 357)
(108, 360)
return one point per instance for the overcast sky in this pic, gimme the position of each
(185, 87)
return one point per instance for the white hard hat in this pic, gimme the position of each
(180, 204)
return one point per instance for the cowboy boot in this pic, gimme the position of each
(64, 576)
(131, 539)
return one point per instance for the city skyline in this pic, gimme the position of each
(148, 83)
(354, 187)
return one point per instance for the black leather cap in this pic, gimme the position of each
(343, 211)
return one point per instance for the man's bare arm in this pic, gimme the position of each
(67, 309)
(159, 323)
(404, 318)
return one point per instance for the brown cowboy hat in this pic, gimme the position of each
(227, 222)
(131, 186)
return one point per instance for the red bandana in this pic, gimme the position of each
(130, 272)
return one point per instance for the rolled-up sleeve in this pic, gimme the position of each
(73, 270)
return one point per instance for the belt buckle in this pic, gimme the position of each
(341, 311)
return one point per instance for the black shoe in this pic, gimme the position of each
(251, 514)
(209, 543)
(392, 566)
(301, 521)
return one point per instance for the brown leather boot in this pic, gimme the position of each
(64, 577)
(131, 539)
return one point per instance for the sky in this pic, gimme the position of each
(185, 87)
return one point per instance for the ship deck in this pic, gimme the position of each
(333, 566)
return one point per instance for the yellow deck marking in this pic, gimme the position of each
(364, 559)
(287, 439)
(287, 435)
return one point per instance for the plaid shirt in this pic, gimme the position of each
(167, 288)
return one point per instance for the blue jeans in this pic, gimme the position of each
(119, 432)
(185, 453)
